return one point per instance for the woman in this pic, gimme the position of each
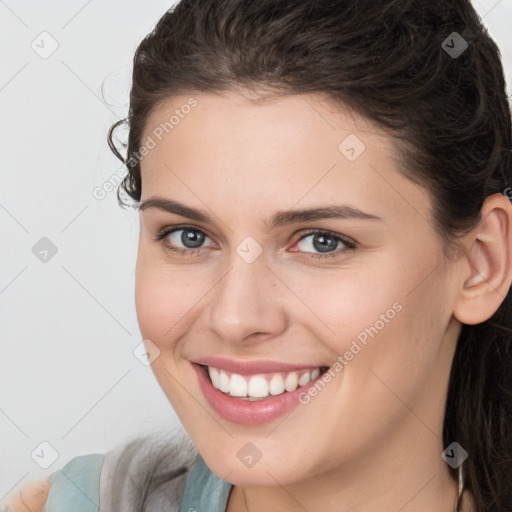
(324, 267)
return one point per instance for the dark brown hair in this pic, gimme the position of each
(448, 114)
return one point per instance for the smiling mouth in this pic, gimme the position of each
(263, 386)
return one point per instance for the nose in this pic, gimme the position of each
(246, 305)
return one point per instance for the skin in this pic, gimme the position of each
(371, 440)
(31, 497)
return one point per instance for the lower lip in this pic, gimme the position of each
(247, 412)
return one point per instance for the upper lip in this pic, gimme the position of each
(246, 367)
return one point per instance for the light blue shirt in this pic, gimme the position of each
(205, 491)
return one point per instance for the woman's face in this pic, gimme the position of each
(260, 284)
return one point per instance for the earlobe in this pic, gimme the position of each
(487, 273)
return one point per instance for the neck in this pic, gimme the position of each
(402, 476)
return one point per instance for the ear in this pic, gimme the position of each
(486, 273)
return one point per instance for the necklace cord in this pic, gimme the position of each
(461, 488)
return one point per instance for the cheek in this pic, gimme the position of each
(166, 300)
(346, 304)
(390, 314)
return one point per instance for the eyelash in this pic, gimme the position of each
(349, 243)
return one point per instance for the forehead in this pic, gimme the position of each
(233, 131)
(231, 148)
(224, 112)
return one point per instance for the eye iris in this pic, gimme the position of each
(322, 246)
(191, 236)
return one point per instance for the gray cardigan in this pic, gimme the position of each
(147, 475)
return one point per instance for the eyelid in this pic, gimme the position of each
(344, 238)
(170, 229)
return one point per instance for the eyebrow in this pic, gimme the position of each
(280, 218)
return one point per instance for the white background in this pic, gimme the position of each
(68, 326)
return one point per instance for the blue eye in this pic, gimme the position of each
(190, 238)
(325, 243)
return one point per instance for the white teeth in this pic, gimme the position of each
(304, 379)
(237, 385)
(291, 382)
(259, 386)
(276, 385)
(214, 375)
(223, 382)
